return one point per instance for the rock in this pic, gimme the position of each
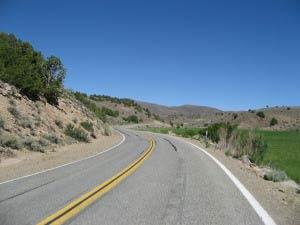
(15, 93)
(5, 89)
(261, 172)
(245, 160)
(8, 90)
(93, 135)
(266, 170)
(291, 183)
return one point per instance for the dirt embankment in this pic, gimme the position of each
(282, 202)
(23, 163)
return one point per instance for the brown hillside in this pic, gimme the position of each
(184, 110)
(37, 125)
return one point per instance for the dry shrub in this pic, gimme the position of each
(107, 130)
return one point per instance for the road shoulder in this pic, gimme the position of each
(25, 164)
(280, 201)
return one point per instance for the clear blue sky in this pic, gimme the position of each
(225, 54)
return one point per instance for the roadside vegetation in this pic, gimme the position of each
(283, 151)
(101, 113)
(125, 101)
(76, 133)
(184, 132)
(276, 149)
(132, 119)
(88, 126)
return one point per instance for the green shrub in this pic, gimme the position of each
(59, 123)
(258, 148)
(132, 119)
(43, 142)
(2, 123)
(214, 131)
(148, 113)
(260, 114)
(12, 102)
(157, 117)
(32, 145)
(87, 126)
(38, 121)
(25, 122)
(276, 176)
(228, 153)
(125, 101)
(14, 111)
(83, 98)
(235, 115)
(52, 138)
(273, 122)
(76, 133)
(35, 146)
(10, 142)
(109, 112)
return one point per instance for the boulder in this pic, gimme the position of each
(245, 159)
(8, 90)
(291, 183)
(93, 135)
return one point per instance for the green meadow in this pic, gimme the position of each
(283, 150)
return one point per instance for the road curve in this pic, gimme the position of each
(177, 184)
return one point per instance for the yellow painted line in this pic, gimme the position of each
(82, 202)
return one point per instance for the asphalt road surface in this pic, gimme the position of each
(177, 184)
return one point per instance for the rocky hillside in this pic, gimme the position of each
(39, 126)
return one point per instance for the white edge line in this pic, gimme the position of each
(67, 164)
(261, 212)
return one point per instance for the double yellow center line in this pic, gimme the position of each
(82, 202)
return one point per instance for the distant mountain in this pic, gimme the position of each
(184, 110)
(198, 116)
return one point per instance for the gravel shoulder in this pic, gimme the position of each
(27, 162)
(281, 202)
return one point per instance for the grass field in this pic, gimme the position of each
(283, 148)
(283, 151)
(184, 132)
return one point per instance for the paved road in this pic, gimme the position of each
(177, 184)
